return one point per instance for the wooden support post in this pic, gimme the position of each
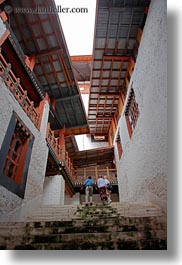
(47, 131)
(85, 173)
(63, 152)
(96, 174)
(107, 170)
(61, 137)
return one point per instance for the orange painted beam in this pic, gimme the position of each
(81, 58)
(3, 16)
(116, 57)
(30, 61)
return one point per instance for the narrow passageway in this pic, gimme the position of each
(67, 118)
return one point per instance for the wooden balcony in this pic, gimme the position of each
(139, 35)
(13, 84)
(82, 174)
(59, 151)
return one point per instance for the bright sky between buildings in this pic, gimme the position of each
(78, 20)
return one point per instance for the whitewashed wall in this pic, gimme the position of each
(142, 169)
(2, 27)
(54, 190)
(37, 167)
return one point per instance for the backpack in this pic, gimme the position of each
(109, 186)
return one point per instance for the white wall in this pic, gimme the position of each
(37, 167)
(142, 169)
(2, 27)
(54, 190)
(74, 200)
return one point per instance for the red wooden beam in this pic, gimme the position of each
(81, 58)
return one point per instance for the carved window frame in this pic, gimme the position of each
(15, 154)
(119, 145)
(131, 112)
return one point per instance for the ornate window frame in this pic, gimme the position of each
(131, 112)
(15, 154)
(119, 145)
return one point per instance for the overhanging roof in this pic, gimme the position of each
(82, 67)
(93, 157)
(41, 35)
(117, 22)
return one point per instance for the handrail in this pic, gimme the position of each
(59, 151)
(83, 173)
(13, 83)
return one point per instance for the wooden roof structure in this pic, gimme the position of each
(41, 39)
(82, 67)
(116, 26)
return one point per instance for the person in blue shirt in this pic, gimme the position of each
(88, 183)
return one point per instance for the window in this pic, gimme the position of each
(16, 153)
(131, 112)
(15, 156)
(119, 146)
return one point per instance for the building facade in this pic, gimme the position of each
(142, 128)
(41, 109)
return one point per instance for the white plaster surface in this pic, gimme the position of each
(2, 27)
(74, 200)
(37, 166)
(45, 116)
(54, 190)
(142, 169)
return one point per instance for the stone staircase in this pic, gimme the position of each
(119, 226)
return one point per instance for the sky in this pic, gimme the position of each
(78, 27)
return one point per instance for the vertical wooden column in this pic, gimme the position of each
(107, 170)
(85, 173)
(96, 174)
(62, 142)
(61, 137)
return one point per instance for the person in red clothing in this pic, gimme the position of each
(108, 189)
(102, 189)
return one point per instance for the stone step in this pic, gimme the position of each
(92, 241)
(65, 212)
(91, 227)
(83, 226)
(65, 234)
(55, 213)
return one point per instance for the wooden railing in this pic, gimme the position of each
(13, 84)
(82, 174)
(77, 175)
(139, 35)
(59, 151)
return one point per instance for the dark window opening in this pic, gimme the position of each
(119, 145)
(131, 112)
(15, 156)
